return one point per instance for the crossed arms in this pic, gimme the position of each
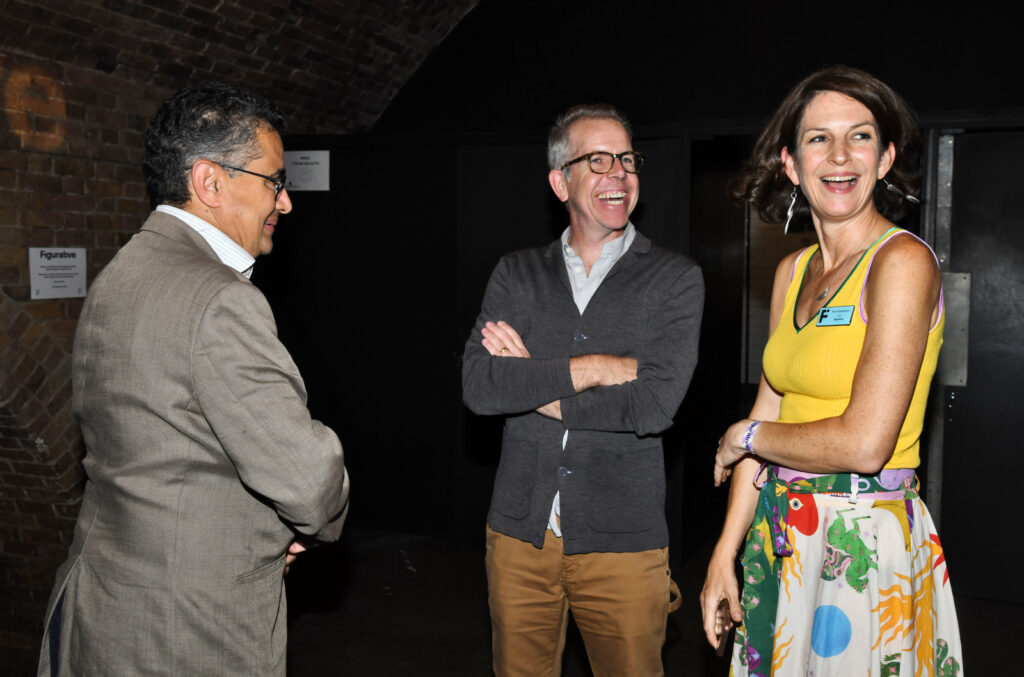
(586, 371)
(651, 316)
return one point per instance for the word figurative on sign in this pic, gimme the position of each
(50, 255)
(56, 273)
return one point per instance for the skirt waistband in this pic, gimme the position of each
(895, 479)
(887, 485)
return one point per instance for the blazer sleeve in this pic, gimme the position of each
(254, 399)
(507, 385)
(666, 357)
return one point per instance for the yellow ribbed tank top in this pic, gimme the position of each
(813, 365)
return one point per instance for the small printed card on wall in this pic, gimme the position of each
(308, 169)
(57, 272)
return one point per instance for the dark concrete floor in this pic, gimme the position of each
(382, 604)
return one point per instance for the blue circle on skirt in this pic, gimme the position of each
(832, 631)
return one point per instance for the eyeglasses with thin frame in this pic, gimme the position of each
(278, 181)
(602, 162)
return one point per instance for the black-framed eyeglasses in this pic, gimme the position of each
(278, 180)
(601, 162)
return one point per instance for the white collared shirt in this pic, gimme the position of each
(227, 250)
(585, 284)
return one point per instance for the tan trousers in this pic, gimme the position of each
(620, 602)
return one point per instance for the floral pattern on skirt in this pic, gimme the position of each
(835, 585)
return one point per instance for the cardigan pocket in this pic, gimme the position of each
(625, 489)
(514, 483)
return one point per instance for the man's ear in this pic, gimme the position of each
(558, 184)
(206, 185)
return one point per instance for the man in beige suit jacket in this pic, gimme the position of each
(206, 474)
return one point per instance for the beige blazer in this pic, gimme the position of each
(203, 465)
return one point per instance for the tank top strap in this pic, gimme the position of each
(886, 238)
(796, 280)
(800, 256)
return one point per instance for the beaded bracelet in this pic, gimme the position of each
(748, 436)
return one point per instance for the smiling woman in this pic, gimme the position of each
(843, 570)
(837, 144)
(767, 187)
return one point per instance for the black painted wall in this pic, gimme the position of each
(376, 284)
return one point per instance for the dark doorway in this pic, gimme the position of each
(983, 418)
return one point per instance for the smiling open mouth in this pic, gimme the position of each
(840, 181)
(614, 197)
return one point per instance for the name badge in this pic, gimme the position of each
(839, 316)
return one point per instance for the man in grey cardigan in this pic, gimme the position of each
(206, 474)
(587, 347)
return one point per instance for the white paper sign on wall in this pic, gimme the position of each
(56, 272)
(308, 169)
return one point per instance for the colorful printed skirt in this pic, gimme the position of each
(844, 575)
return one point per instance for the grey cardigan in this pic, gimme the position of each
(611, 475)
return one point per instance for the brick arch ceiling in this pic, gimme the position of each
(332, 66)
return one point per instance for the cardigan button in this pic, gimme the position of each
(564, 472)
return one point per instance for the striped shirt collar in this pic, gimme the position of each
(227, 250)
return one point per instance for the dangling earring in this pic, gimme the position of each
(789, 212)
(893, 189)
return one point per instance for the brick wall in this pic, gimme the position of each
(78, 82)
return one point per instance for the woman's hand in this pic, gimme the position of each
(720, 585)
(730, 450)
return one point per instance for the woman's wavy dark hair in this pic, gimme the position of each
(212, 121)
(763, 182)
